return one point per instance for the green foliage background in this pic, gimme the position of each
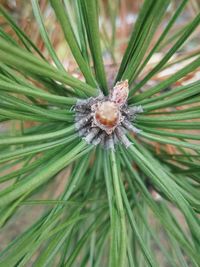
(107, 212)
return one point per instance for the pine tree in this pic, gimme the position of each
(107, 156)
